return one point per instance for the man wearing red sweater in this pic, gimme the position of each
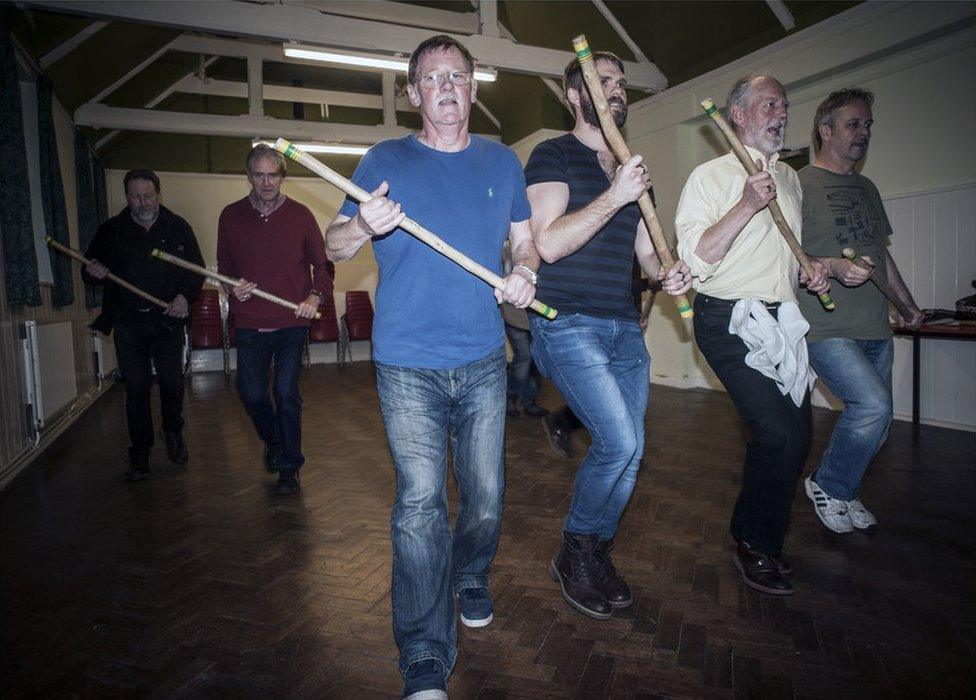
(273, 243)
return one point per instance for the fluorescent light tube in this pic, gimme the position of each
(294, 51)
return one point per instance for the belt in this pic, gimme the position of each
(706, 299)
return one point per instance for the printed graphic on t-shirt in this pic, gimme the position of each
(856, 222)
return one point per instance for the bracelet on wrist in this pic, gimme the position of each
(533, 277)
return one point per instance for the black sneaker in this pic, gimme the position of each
(138, 465)
(176, 448)
(287, 482)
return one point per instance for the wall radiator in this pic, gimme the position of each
(49, 368)
(105, 360)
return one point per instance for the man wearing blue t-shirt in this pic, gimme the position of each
(438, 347)
(587, 228)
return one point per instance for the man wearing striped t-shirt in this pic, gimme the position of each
(587, 228)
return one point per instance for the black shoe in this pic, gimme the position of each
(271, 453)
(287, 482)
(138, 465)
(511, 407)
(784, 566)
(558, 438)
(533, 409)
(573, 569)
(176, 448)
(608, 581)
(760, 571)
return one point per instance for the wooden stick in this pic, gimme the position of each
(71, 252)
(192, 267)
(774, 209)
(622, 153)
(882, 284)
(408, 224)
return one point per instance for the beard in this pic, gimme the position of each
(145, 214)
(590, 115)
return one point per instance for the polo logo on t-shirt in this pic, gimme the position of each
(491, 193)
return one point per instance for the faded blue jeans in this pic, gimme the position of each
(858, 372)
(601, 367)
(522, 383)
(423, 411)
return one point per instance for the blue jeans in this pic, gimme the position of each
(279, 423)
(601, 367)
(522, 383)
(423, 410)
(858, 372)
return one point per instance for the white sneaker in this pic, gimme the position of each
(832, 512)
(861, 517)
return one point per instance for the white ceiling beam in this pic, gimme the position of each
(192, 85)
(621, 32)
(255, 87)
(389, 98)
(401, 13)
(487, 112)
(160, 97)
(132, 73)
(782, 13)
(66, 47)
(488, 18)
(100, 116)
(247, 126)
(301, 24)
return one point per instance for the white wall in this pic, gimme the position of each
(924, 143)
(199, 198)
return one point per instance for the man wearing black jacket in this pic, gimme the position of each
(145, 335)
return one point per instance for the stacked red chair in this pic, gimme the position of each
(206, 330)
(357, 322)
(325, 329)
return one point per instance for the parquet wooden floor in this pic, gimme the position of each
(201, 584)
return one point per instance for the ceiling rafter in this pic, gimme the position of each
(101, 116)
(621, 32)
(782, 13)
(169, 90)
(282, 23)
(66, 47)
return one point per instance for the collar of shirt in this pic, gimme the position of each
(769, 163)
(264, 209)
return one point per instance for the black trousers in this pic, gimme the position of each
(779, 430)
(141, 343)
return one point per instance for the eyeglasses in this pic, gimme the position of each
(151, 197)
(432, 81)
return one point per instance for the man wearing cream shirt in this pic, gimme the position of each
(737, 255)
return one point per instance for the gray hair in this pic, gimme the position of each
(741, 92)
(263, 150)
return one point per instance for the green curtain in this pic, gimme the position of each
(90, 178)
(19, 258)
(52, 195)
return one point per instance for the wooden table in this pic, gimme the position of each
(946, 330)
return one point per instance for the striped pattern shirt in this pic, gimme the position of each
(596, 279)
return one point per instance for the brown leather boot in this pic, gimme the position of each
(573, 568)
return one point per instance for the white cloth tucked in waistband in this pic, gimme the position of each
(777, 347)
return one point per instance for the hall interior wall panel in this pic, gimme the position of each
(934, 245)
